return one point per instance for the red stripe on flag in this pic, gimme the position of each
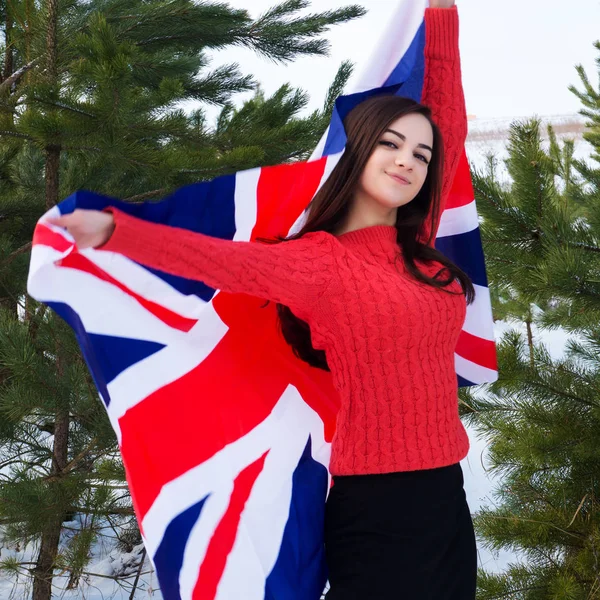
(481, 352)
(461, 192)
(283, 192)
(223, 538)
(81, 263)
(232, 391)
(44, 236)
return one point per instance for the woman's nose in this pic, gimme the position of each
(404, 159)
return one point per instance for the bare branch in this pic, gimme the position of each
(24, 248)
(145, 195)
(16, 134)
(7, 83)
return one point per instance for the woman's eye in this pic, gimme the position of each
(388, 144)
(423, 158)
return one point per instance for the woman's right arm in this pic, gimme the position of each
(294, 273)
(443, 93)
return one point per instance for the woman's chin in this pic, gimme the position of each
(391, 203)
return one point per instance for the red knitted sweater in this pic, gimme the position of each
(389, 339)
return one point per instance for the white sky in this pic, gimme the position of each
(518, 56)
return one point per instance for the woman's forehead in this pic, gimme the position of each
(413, 126)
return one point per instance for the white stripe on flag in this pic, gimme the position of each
(41, 256)
(144, 283)
(245, 199)
(458, 220)
(92, 299)
(392, 45)
(479, 320)
(473, 372)
(320, 147)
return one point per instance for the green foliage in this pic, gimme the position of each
(541, 419)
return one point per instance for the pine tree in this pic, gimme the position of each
(89, 97)
(541, 235)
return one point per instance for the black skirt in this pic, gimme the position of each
(400, 536)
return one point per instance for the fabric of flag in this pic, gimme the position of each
(225, 434)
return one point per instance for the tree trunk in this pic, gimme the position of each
(51, 175)
(44, 568)
(51, 43)
(52, 150)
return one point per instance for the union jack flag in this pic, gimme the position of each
(225, 434)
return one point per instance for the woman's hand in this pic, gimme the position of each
(441, 3)
(90, 228)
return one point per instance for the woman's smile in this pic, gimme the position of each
(399, 178)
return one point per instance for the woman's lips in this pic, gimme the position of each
(399, 178)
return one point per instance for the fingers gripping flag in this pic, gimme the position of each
(225, 434)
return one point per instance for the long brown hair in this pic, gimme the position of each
(364, 126)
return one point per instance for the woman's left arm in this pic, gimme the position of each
(443, 93)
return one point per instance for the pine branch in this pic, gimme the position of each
(280, 37)
(589, 97)
(337, 86)
(218, 86)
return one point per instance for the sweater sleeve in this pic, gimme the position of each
(294, 273)
(443, 93)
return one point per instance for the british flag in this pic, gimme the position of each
(225, 434)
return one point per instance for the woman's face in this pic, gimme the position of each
(397, 168)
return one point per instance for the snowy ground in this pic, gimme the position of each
(97, 584)
(106, 562)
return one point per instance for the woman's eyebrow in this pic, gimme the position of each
(403, 138)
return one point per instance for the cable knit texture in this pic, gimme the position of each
(389, 339)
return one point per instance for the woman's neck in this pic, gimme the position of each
(361, 219)
(363, 223)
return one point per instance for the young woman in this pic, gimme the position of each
(362, 291)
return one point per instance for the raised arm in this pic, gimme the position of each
(443, 93)
(294, 273)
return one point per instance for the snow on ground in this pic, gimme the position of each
(97, 583)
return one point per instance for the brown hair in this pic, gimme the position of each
(364, 126)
